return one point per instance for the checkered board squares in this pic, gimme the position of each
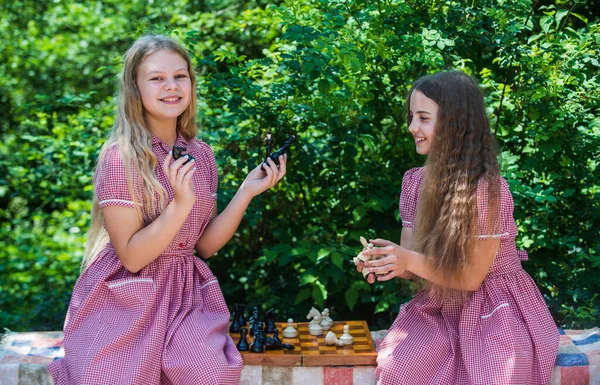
(316, 353)
(273, 357)
(312, 351)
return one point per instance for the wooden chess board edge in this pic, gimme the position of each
(333, 360)
(266, 359)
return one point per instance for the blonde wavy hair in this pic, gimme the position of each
(131, 134)
(463, 153)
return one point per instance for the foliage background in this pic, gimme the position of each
(334, 73)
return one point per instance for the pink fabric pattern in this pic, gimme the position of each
(166, 324)
(501, 334)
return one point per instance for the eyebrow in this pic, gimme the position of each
(160, 72)
(422, 112)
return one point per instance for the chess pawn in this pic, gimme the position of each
(258, 342)
(242, 344)
(276, 336)
(289, 331)
(331, 339)
(326, 321)
(235, 324)
(346, 338)
(315, 328)
(239, 309)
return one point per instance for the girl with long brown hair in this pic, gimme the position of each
(145, 309)
(479, 318)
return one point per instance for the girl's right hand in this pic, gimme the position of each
(180, 178)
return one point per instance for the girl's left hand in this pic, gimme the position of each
(394, 262)
(258, 180)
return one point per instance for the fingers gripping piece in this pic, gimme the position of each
(364, 258)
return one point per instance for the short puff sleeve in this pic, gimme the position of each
(505, 226)
(208, 159)
(110, 181)
(409, 196)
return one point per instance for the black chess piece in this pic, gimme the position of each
(235, 324)
(263, 335)
(272, 344)
(275, 155)
(270, 321)
(276, 336)
(239, 309)
(258, 345)
(268, 146)
(242, 344)
(178, 152)
(254, 321)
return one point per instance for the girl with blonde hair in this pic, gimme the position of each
(479, 319)
(145, 309)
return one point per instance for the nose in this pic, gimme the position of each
(412, 127)
(171, 84)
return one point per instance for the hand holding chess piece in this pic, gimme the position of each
(360, 259)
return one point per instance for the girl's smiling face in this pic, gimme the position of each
(165, 87)
(423, 113)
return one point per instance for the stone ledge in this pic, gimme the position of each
(24, 358)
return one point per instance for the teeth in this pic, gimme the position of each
(419, 139)
(170, 99)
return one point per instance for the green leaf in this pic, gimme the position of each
(580, 17)
(545, 23)
(324, 86)
(338, 260)
(323, 253)
(303, 295)
(308, 278)
(351, 297)
(359, 212)
(319, 293)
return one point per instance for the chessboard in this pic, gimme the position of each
(312, 351)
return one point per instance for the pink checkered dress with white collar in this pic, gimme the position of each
(166, 324)
(501, 334)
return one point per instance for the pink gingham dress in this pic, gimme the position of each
(501, 334)
(166, 324)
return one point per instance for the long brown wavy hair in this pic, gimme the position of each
(463, 154)
(131, 134)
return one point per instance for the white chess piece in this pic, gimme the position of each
(346, 338)
(313, 313)
(326, 321)
(331, 339)
(290, 332)
(315, 328)
(364, 258)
